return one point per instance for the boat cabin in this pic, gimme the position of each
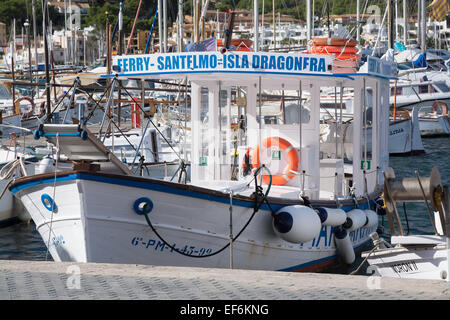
(229, 141)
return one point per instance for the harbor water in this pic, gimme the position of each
(22, 241)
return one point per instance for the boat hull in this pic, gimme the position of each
(413, 262)
(437, 126)
(94, 220)
(6, 205)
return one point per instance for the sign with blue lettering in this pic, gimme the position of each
(243, 62)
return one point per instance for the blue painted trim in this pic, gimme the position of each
(335, 256)
(372, 75)
(62, 134)
(153, 186)
(30, 184)
(339, 75)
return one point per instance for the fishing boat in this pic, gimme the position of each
(280, 206)
(15, 160)
(404, 129)
(418, 256)
(430, 96)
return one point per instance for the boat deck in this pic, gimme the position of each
(40, 280)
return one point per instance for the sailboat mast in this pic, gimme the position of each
(308, 20)
(405, 22)
(390, 24)
(160, 27)
(46, 58)
(423, 26)
(358, 20)
(255, 26)
(274, 25)
(180, 25)
(165, 25)
(35, 43)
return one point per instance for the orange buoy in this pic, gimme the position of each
(287, 148)
(334, 49)
(334, 42)
(338, 56)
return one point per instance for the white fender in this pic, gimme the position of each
(296, 224)
(356, 218)
(45, 165)
(372, 219)
(332, 216)
(344, 246)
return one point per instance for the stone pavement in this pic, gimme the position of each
(39, 280)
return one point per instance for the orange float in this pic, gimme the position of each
(333, 42)
(287, 148)
(334, 49)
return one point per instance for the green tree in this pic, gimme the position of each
(21, 10)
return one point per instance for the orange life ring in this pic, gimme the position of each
(30, 112)
(286, 147)
(333, 49)
(333, 42)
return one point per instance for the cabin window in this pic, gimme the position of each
(423, 88)
(397, 91)
(442, 87)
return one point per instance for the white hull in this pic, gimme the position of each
(402, 139)
(6, 204)
(412, 262)
(95, 222)
(434, 126)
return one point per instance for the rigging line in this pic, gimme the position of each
(97, 104)
(112, 121)
(157, 129)
(53, 198)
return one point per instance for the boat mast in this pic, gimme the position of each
(255, 26)
(180, 25)
(36, 44)
(13, 54)
(396, 19)
(160, 28)
(358, 20)
(46, 58)
(390, 24)
(165, 25)
(423, 25)
(262, 25)
(405, 22)
(308, 20)
(274, 26)
(120, 46)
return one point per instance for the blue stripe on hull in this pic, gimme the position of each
(151, 186)
(319, 261)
